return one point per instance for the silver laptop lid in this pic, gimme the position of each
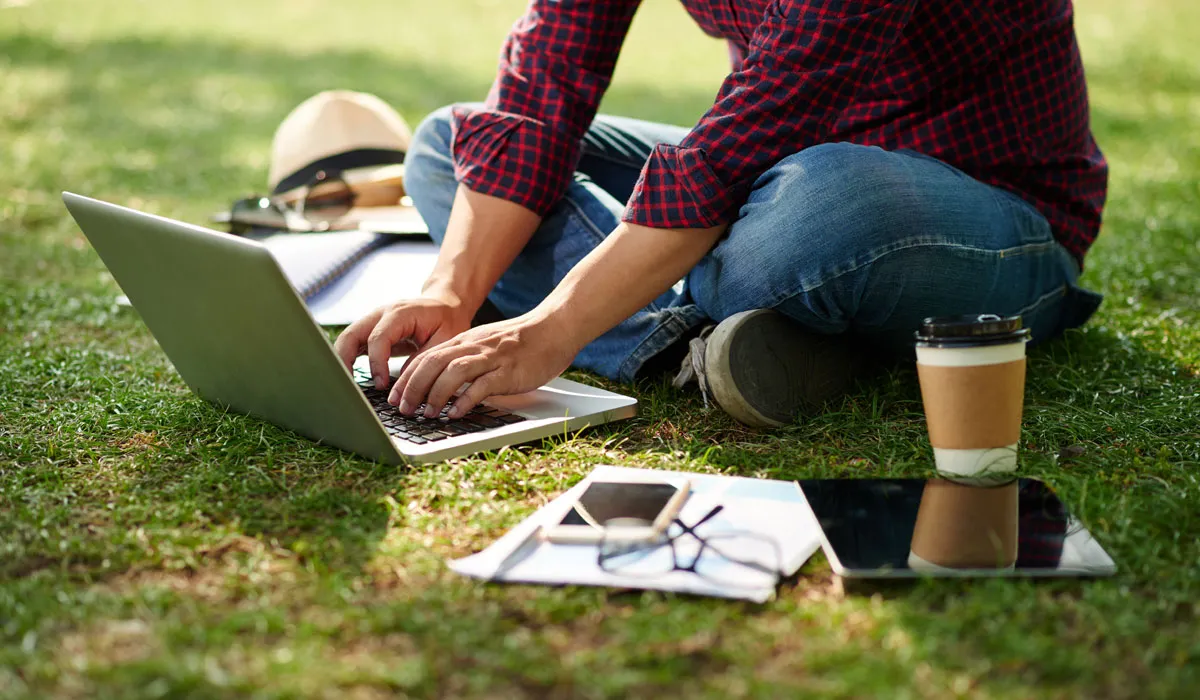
(231, 324)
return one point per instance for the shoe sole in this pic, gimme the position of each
(764, 370)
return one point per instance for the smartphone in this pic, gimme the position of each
(631, 510)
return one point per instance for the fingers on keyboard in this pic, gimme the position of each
(420, 430)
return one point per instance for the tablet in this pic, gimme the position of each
(909, 528)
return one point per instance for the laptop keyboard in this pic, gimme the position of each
(419, 430)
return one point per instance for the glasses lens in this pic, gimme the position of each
(739, 560)
(255, 212)
(621, 555)
(329, 197)
(250, 204)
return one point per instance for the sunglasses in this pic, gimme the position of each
(325, 199)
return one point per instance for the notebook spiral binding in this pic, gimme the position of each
(315, 285)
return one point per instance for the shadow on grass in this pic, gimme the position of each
(1130, 482)
(1109, 424)
(186, 124)
(1075, 386)
(133, 109)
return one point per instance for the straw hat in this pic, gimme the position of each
(354, 134)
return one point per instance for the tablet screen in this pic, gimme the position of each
(950, 527)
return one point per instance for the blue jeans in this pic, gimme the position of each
(839, 237)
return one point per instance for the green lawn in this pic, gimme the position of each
(153, 546)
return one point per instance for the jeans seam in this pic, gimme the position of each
(591, 227)
(879, 254)
(1048, 296)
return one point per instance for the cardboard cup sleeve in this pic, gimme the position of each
(974, 407)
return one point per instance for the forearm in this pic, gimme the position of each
(483, 237)
(624, 273)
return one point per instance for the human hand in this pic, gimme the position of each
(509, 357)
(410, 325)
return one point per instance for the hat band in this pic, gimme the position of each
(348, 160)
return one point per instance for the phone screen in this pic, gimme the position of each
(604, 501)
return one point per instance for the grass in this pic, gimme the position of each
(154, 546)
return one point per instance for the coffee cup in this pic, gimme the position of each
(966, 524)
(972, 375)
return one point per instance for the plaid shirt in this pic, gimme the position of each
(993, 87)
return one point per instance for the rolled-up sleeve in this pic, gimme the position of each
(806, 62)
(556, 63)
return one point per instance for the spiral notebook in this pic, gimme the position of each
(344, 275)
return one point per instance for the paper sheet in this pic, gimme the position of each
(388, 274)
(306, 257)
(385, 275)
(769, 509)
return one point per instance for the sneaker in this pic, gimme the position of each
(763, 369)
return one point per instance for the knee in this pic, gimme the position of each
(429, 171)
(831, 199)
(812, 218)
(429, 150)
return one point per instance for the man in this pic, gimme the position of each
(866, 164)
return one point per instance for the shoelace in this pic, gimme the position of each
(692, 368)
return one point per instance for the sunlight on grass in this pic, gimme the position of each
(154, 545)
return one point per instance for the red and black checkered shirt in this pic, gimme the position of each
(993, 87)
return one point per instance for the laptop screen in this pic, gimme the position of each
(942, 527)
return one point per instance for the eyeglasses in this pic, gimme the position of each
(325, 199)
(728, 558)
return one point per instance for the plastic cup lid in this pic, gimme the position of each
(971, 329)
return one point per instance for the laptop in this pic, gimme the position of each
(239, 335)
(951, 527)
